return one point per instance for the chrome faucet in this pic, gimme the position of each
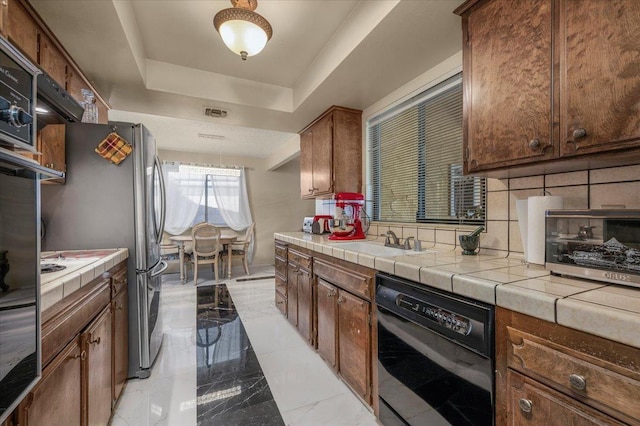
(407, 243)
(388, 242)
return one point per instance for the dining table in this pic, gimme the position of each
(227, 238)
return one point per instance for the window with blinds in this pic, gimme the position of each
(415, 161)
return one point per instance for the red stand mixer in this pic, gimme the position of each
(346, 224)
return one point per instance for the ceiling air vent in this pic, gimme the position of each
(215, 112)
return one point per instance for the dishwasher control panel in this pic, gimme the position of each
(450, 320)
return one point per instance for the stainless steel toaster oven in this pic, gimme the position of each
(601, 245)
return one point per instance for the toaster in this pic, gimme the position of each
(307, 224)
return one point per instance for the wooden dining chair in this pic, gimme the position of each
(206, 248)
(240, 248)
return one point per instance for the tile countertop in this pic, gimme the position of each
(606, 310)
(82, 267)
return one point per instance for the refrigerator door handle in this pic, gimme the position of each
(163, 267)
(163, 200)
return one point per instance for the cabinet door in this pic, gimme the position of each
(56, 398)
(601, 75)
(103, 112)
(75, 84)
(305, 305)
(96, 341)
(51, 60)
(531, 403)
(22, 30)
(327, 311)
(52, 146)
(120, 342)
(354, 343)
(323, 156)
(507, 83)
(306, 164)
(292, 295)
(347, 151)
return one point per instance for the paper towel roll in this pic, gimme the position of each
(521, 206)
(536, 208)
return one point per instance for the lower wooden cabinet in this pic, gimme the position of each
(305, 305)
(85, 356)
(531, 403)
(550, 374)
(344, 331)
(329, 302)
(292, 295)
(56, 398)
(354, 342)
(327, 319)
(97, 343)
(120, 335)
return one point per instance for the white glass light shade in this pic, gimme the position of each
(243, 36)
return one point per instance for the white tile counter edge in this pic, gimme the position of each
(445, 268)
(54, 291)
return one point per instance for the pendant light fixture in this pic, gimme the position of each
(243, 31)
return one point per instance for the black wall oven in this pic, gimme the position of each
(435, 356)
(20, 365)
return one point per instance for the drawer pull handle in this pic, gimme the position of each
(525, 405)
(577, 382)
(280, 302)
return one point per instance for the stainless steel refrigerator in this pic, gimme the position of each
(103, 205)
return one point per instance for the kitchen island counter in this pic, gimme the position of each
(606, 310)
(81, 267)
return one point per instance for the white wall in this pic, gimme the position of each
(274, 196)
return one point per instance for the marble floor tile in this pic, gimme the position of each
(305, 389)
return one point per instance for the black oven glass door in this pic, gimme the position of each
(20, 365)
(18, 352)
(427, 379)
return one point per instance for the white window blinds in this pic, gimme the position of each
(415, 161)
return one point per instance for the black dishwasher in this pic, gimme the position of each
(435, 356)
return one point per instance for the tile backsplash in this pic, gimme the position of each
(617, 187)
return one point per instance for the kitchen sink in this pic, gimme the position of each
(378, 249)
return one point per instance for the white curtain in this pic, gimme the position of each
(230, 192)
(184, 192)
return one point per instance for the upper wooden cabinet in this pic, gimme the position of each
(51, 145)
(22, 29)
(51, 60)
(549, 80)
(331, 153)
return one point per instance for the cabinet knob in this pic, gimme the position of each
(534, 143)
(119, 307)
(579, 133)
(82, 355)
(95, 341)
(577, 382)
(280, 302)
(340, 300)
(525, 405)
(310, 189)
